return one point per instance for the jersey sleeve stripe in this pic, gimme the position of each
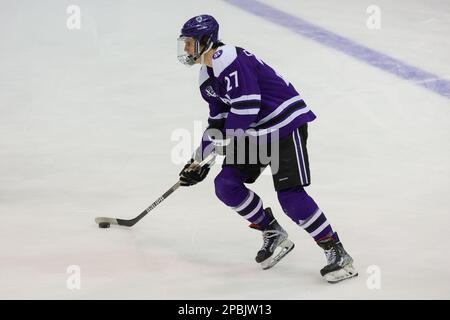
(246, 98)
(245, 111)
(220, 116)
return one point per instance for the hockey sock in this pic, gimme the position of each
(230, 189)
(302, 209)
(252, 210)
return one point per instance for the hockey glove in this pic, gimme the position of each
(192, 173)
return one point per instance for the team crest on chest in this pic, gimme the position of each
(210, 92)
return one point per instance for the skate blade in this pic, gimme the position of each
(286, 246)
(346, 272)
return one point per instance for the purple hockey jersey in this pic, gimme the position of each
(245, 93)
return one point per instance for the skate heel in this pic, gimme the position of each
(280, 252)
(346, 272)
(340, 263)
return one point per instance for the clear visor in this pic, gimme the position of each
(187, 50)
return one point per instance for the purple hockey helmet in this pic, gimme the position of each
(201, 26)
(204, 29)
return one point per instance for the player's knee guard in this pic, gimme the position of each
(296, 203)
(229, 186)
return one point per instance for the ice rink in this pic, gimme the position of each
(89, 124)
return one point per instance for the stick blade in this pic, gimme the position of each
(99, 220)
(118, 222)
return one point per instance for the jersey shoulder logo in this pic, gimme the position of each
(217, 54)
(223, 58)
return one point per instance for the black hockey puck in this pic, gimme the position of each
(104, 225)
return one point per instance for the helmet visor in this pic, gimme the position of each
(187, 50)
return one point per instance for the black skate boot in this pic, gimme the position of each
(340, 264)
(275, 239)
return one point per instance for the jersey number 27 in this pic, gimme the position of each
(228, 81)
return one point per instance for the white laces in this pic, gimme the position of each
(331, 255)
(268, 234)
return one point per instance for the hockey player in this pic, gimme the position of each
(247, 97)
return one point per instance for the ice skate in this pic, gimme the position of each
(276, 243)
(340, 263)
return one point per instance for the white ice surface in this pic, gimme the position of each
(86, 120)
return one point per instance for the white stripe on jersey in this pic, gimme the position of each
(278, 110)
(279, 125)
(220, 116)
(245, 111)
(246, 98)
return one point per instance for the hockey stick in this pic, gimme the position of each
(104, 222)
